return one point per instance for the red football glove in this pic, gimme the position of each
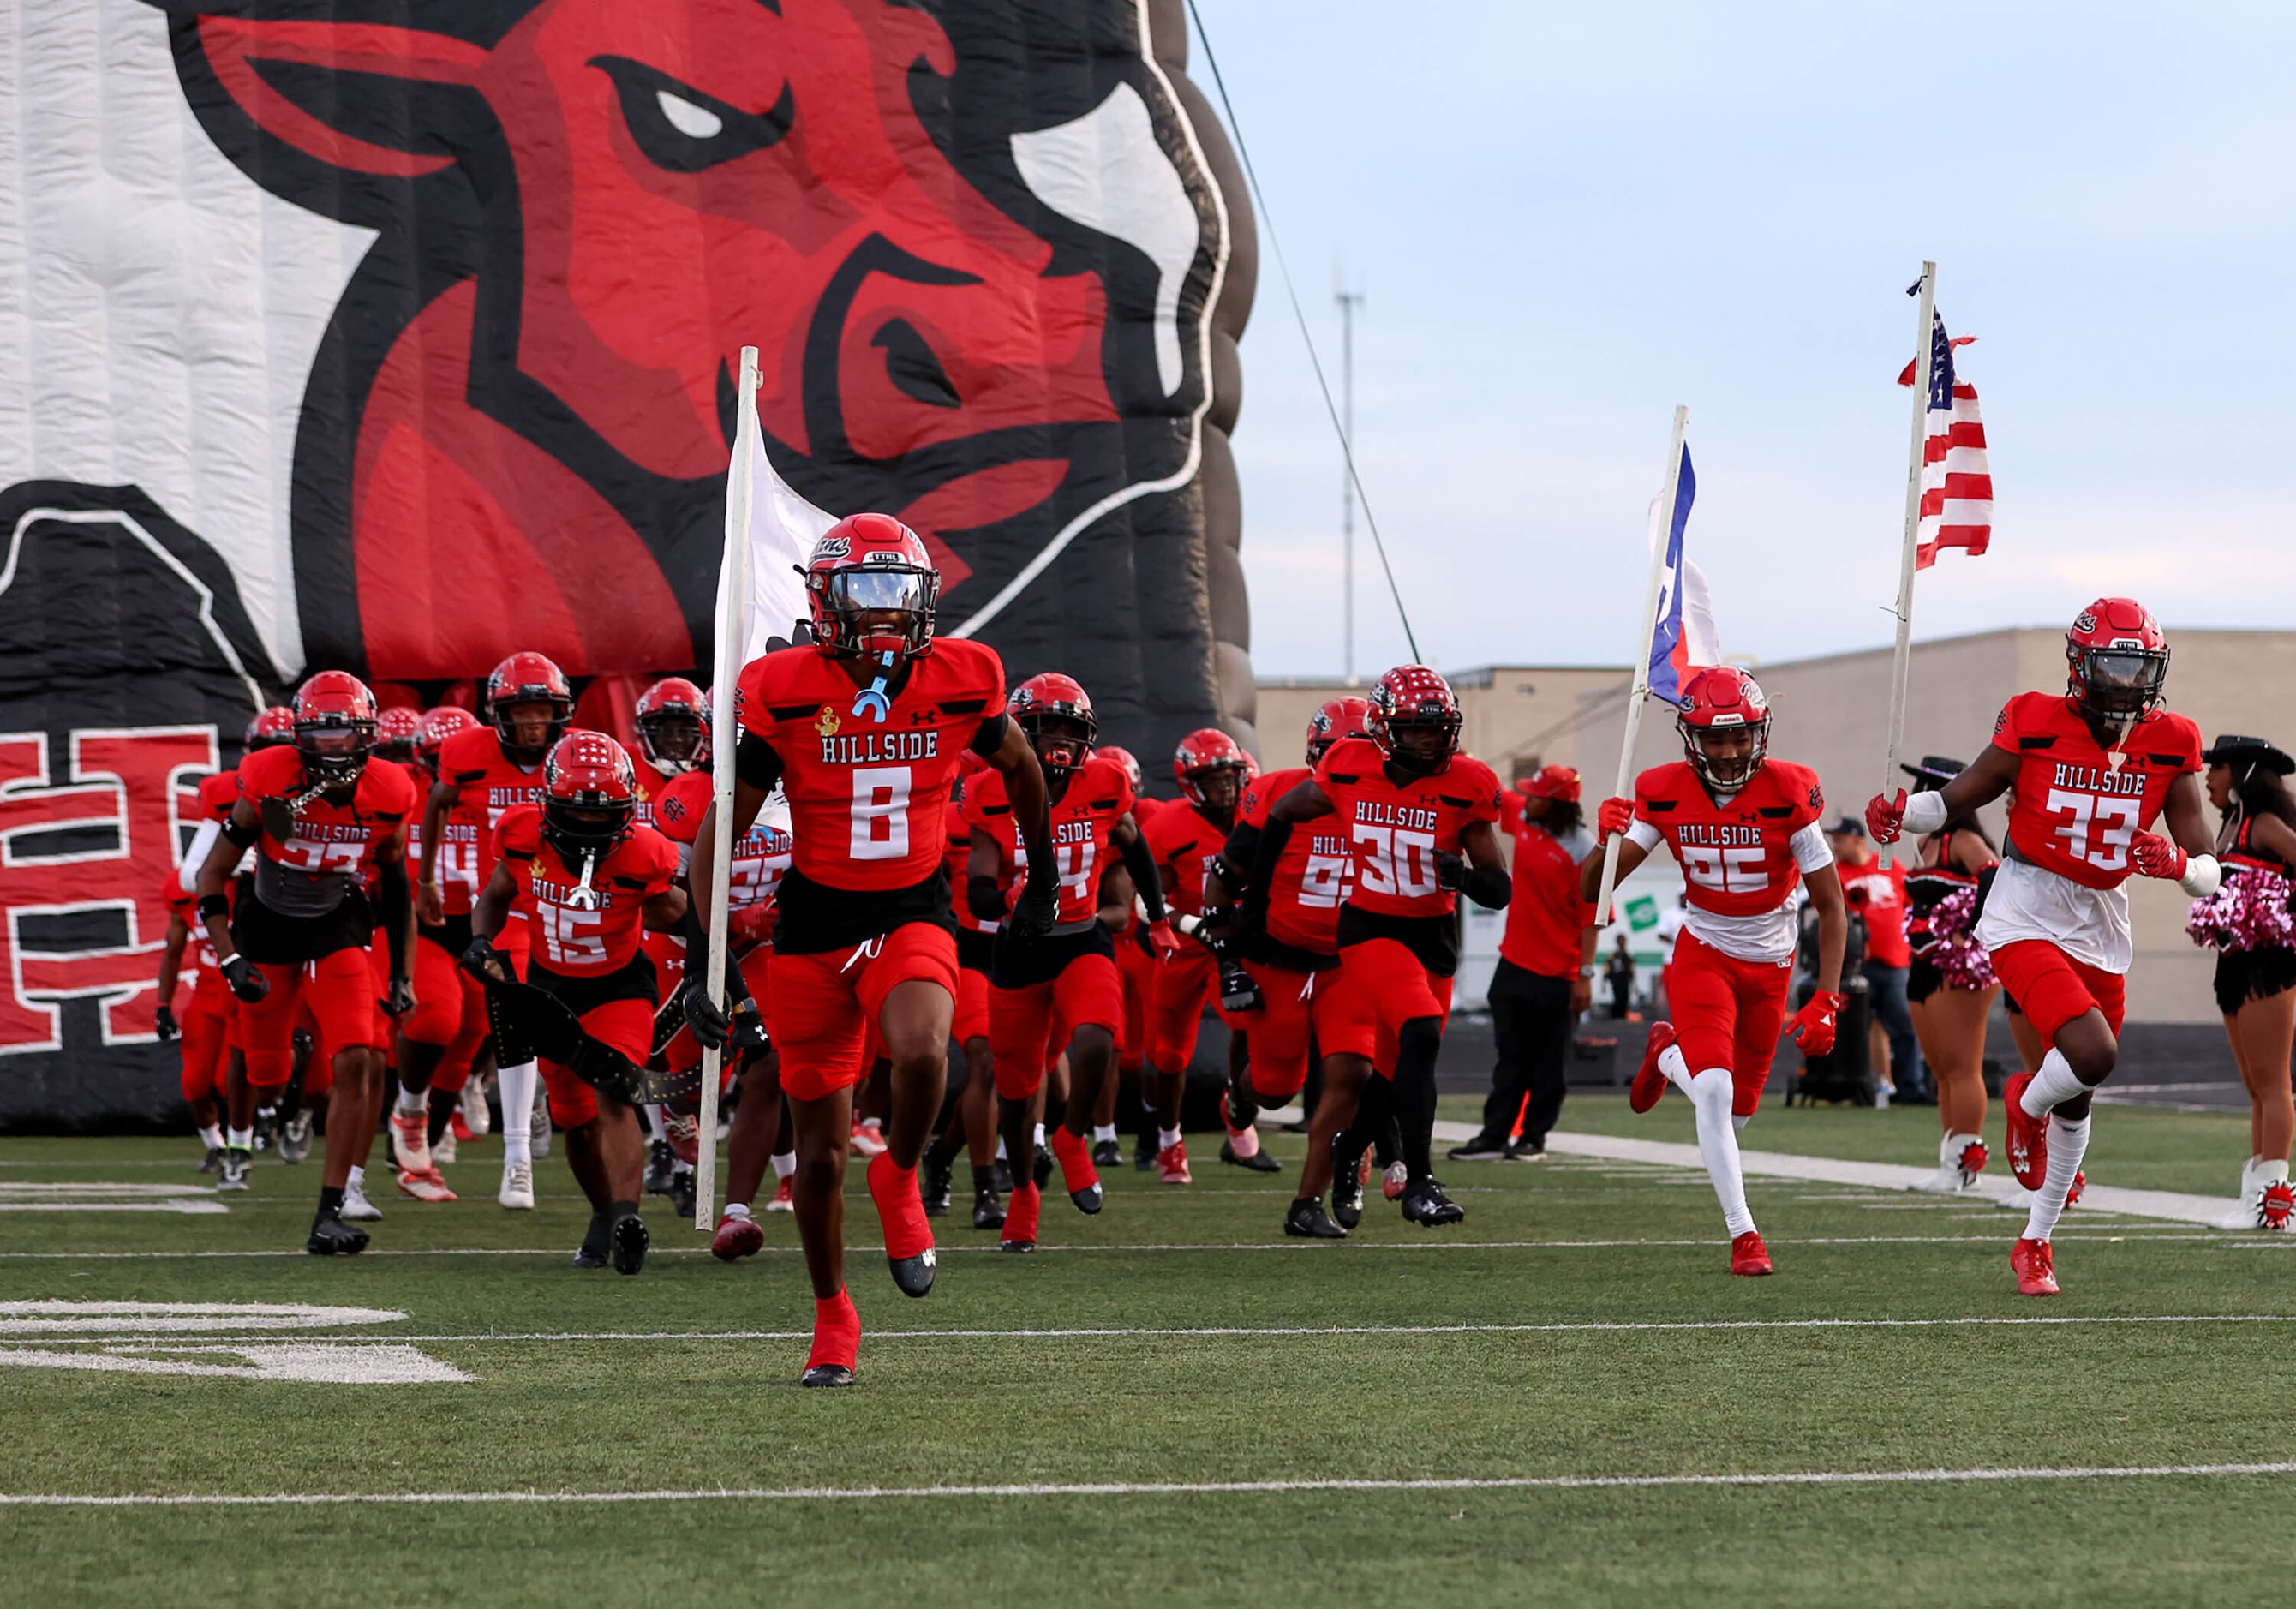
(1162, 941)
(1884, 817)
(1613, 816)
(2155, 855)
(1812, 1027)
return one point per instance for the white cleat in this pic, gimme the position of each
(478, 1117)
(2246, 1209)
(517, 1193)
(540, 1129)
(444, 1151)
(410, 1138)
(357, 1208)
(430, 1185)
(1960, 1158)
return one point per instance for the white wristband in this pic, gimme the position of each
(2202, 877)
(1925, 813)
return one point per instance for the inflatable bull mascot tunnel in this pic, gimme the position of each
(398, 335)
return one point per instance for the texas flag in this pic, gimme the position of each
(1683, 636)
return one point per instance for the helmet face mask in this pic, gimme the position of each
(334, 728)
(1415, 720)
(531, 704)
(1054, 714)
(872, 587)
(673, 727)
(1724, 722)
(2116, 662)
(1062, 742)
(1212, 769)
(589, 797)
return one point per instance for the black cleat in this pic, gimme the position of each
(1347, 1182)
(681, 1194)
(330, 1236)
(630, 1241)
(1307, 1220)
(1143, 1152)
(914, 1275)
(1003, 1176)
(295, 1138)
(1089, 1201)
(214, 1161)
(1258, 1161)
(592, 1252)
(1108, 1153)
(933, 1184)
(1482, 1148)
(1526, 1149)
(660, 1164)
(1041, 1169)
(1016, 1246)
(822, 1374)
(238, 1162)
(988, 1211)
(1425, 1204)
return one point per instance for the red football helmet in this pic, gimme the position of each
(1718, 704)
(1205, 753)
(673, 723)
(589, 794)
(865, 568)
(439, 725)
(2117, 662)
(1553, 782)
(1041, 701)
(1122, 757)
(1335, 718)
(273, 727)
(1415, 720)
(396, 732)
(334, 726)
(529, 678)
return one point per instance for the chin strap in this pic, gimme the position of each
(584, 897)
(872, 700)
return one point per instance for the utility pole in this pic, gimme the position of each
(1349, 300)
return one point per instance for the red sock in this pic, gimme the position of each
(836, 1332)
(1022, 1210)
(1075, 1157)
(899, 1208)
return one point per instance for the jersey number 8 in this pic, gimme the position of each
(880, 813)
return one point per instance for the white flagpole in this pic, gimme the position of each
(1924, 349)
(1642, 653)
(732, 610)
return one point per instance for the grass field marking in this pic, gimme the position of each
(1155, 1489)
(83, 1320)
(1248, 1332)
(32, 1190)
(309, 1362)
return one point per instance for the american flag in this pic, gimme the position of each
(1956, 480)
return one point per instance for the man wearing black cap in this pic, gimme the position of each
(1877, 893)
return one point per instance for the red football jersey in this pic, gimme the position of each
(491, 785)
(1313, 875)
(652, 784)
(1184, 838)
(761, 856)
(329, 837)
(1395, 830)
(2075, 810)
(1098, 794)
(572, 935)
(1737, 858)
(868, 799)
(200, 967)
(1546, 918)
(217, 794)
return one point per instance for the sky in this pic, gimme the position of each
(1566, 220)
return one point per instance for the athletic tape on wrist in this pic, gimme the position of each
(1925, 813)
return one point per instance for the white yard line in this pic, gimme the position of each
(1147, 1488)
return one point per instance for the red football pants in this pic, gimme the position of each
(1185, 984)
(1283, 1030)
(1029, 1027)
(1728, 1013)
(819, 1009)
(339, 989)
(206, 1035)
(450, 1012)
(972, 1021)
(626, 1025)
(1138, 972)
(2054, 990)
(1380, 986)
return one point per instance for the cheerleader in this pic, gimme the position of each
(1950, 985)
(2247, 923)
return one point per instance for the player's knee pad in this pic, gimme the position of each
(1738, 1122)
(1711, 1092)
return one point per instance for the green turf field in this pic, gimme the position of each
(1577, 1337)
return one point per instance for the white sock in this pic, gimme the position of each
(1000, 1152)
(1717, 1143)
(414, 1102)
(516, 1085)
(676, 1168)
(737, 1209)
(212, 1137)
(2068, 1143)
(2054, 1084)
(784, 1164)
(1677, 1069)
(1166, 1138)
(358, 1180)
(1040, 1137)
(242, 1140)
(1102, 1133)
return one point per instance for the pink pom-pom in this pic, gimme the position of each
(2249, 912)
(1960, 959)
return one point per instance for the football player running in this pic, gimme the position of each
(2093, 769)
(1745, 829)
(321, 817)
(865, 729)
(1418, 817)
(483, 773)
(1063, 992)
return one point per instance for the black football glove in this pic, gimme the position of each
(1451, 870)
(1038, 909)
(245, 981)
(481, 960)
(399, 999)
(163, 1023)
(712, 1023)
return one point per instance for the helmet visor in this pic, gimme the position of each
(868, 591)
(331, 742)
(2123, 680)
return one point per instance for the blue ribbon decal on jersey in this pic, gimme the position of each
(874, 699)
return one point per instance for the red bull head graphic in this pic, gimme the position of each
(980, 275)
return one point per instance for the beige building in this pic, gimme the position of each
(1510, 711)
(1832, 713)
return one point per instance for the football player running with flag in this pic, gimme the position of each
(2093, 767)
(1745, 829)
(864, 729)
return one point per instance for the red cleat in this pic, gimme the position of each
(782, 1201)
(2081, 1183)
(2029, 1137)
(1749, 1255)
(736, 1237)
(1172, 1164)
(1650, 1083)
(2035, 1266)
